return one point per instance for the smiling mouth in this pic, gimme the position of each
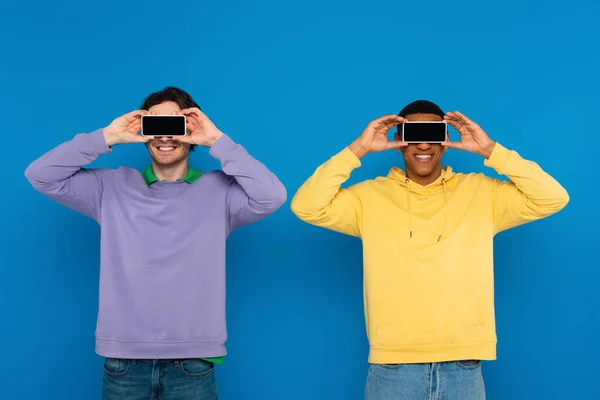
(424, 157)
(166, 149)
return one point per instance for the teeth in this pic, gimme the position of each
(423, 156)
(166, 148)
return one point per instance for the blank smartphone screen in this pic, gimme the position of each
(163, 125)
(424, 132)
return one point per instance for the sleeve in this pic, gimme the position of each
(59, 174)
(321, 201)
(531, 193)
(255, 192)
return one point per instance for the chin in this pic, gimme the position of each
(166, 163)
(424, 174)
(421, 173)
(168, 160)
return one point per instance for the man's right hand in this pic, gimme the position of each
(374, 137)
(126, 129)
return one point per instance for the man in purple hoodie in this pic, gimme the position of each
(161, 320)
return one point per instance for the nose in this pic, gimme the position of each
(165, 139)
(424, 146)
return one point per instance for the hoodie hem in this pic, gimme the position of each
(432, 353)
(159, 350)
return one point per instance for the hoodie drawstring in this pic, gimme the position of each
(408, 202)
(445, 209)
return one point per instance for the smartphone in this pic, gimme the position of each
(424, 131)
(164, 125)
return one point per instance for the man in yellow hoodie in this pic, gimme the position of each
(427, 237)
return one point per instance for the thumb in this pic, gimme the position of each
(184, 139)
(143, 139)
(453, 145)
(397, 144)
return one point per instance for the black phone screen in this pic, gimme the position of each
(163, 125)
(424, 132)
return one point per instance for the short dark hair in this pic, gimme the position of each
(170, 93)
(422, 107)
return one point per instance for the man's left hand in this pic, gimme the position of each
(202, 130)
(472, 138)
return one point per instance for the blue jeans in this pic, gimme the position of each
(189, 379)
(457, 380)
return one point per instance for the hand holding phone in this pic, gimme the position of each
(125, 129)
(472, 138)
(203, 131)
(374, 137)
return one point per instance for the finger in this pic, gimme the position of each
(134, 126)
(397, 121)
(386, 119)
(192, 119)
(463, 118)
(135, 115)
(193, 128)
(389, 119)
(456, 124)
(455, 118)
(192, 111)
(193, 124)
(388, 122)
(451, 116)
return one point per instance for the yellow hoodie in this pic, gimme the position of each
(428, 250)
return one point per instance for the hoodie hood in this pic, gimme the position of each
(435, 187)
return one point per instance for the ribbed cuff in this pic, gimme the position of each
(347, 157)
(222, 146)
(98, 142)
(499, 158)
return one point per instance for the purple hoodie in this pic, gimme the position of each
(162, 263)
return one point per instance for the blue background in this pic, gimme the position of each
(295, 83)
